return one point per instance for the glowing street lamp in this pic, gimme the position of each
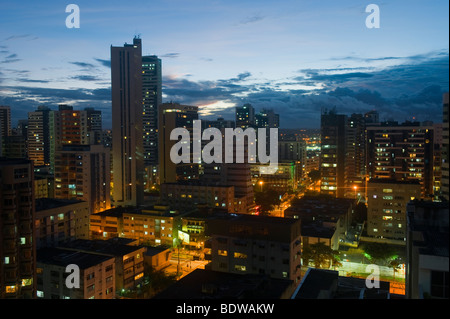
(355, 188)
(261, 183)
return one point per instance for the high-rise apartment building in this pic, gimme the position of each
(5, 126)
(355, 169)
(245, 116)
(332, 158)
(83, 172)
(94, 125)
(127, 109)
(403, 152)
(152, 98)
(445, 150)
(172, 116)
(17, 246)
(39, 136)
(386, 207)
(267, 119)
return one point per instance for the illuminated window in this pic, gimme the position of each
(222, 252)
(387, 190)
(10, 289)
(240, 268)
(240, 255)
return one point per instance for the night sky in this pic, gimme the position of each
(296, 57)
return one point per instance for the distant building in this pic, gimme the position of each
(245, 116)
(152, 98)
(246, 244)
(97, 279)
(445, 149)
(39, 141)
(386, 207)
(427, 242)
(18, 250)
(189, 194)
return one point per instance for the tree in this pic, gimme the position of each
(320, 255)
(379, 253)
(314, 175)
(267, 200)
(395, 265)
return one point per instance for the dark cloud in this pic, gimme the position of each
(106, 63)
(171, 55)
(251, 19)
(411, 88)
(83, 65)
(33, 81)
(85, 78)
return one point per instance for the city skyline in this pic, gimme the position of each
(294, 58)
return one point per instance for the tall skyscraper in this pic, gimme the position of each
(355, 173)
(332, 157)
(445, 150)
(17, 249)
(152, 98)
(39, 136)
(127, 109)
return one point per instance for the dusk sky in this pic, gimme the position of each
(295, 57)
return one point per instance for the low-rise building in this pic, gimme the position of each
(186, 195)
(128, 259)
(249, 244)
(58, 221)
(96, 274)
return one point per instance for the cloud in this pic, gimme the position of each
(19, 36)
(85, 78)
(106, 63)
(83, 64)
(171, 55)
(251, 19)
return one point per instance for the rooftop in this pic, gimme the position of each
(208, 284)
(50, 203)
(327, 284)
(64, 257)
(110, 247)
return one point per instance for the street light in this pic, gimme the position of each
(261, 183)
(355, 188)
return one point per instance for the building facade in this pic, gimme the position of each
(127, 109)
(17, 247)
(386, 207)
